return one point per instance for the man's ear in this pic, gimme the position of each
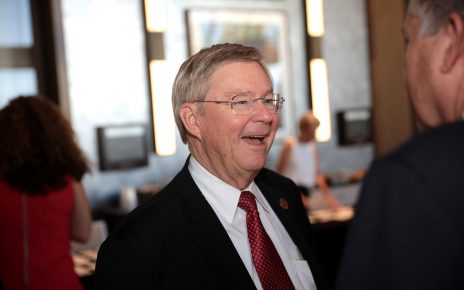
(189, 116)
(454, 28)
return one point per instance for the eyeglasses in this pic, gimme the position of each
(243, 104)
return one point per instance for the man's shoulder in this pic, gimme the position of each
(435, 157)
(446, 140)
(159, 213)
(153, 212)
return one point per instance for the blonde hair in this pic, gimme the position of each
(308, 120)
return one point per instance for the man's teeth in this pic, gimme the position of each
(255, 137)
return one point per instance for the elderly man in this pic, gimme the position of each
(223, 222)
(408, 231)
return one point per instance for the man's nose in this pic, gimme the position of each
(262, 111)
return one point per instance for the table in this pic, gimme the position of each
(329, 230)
(325, 215)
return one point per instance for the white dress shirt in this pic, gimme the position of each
(224, 198)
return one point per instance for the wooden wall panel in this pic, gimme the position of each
(392, 113)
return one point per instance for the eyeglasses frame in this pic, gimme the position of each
(280, 101)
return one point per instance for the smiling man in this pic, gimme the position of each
(224, 222)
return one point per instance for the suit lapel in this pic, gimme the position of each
(274, 196)
(210, 237)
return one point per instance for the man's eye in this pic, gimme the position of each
(268, 101)
(244, 102)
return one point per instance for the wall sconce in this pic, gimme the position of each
(318, 69)
(164, 130)
(315, 16)
(320, 98)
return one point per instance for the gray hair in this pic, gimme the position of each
(434, 12)
(192, 80)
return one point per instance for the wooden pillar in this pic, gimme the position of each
(393, 121)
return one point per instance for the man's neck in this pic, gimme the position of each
(239, 181)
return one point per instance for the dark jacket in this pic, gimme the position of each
(408, 230)
(176, 241)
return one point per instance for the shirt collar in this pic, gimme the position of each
(258, 195)
(220, 195)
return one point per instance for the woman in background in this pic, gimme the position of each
(42, 202)
(299, 161)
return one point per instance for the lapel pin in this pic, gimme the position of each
(283, 203)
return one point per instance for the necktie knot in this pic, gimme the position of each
(247, 201)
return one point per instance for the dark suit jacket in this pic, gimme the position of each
(408, 230)
(176, 241)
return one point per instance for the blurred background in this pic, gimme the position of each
(109, 65)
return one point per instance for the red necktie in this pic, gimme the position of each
(269, 266)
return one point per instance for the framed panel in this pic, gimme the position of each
(354, 126)
(122, 146)
(265, 30)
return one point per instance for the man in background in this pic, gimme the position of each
(408, 231)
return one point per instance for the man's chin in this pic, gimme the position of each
(254, 165)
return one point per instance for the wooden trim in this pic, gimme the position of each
(44, 50)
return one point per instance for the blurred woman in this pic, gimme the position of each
(299, 161)
(42, 202)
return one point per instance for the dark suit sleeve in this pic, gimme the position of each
(401, 237)
(119, 269)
